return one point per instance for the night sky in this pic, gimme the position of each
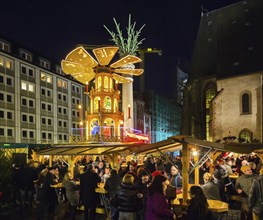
(53, 28)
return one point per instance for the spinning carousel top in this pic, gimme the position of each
(83, 67)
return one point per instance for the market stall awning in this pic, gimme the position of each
(87, 148)
(174, 143)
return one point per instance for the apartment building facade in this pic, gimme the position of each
(39, 104)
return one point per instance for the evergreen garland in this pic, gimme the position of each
(130, 44)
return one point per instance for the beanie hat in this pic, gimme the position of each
(245, 168)
(156, 173)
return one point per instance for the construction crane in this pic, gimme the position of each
(141, 53)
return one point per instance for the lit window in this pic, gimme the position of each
(23, 86)
(1, 61)
(9, 64)
(6, 63)
(27, 86)
(62, 84)
(49, 79)
(46, 77)
(30, 87)
(246, 135)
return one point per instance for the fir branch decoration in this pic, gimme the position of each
(127, 44)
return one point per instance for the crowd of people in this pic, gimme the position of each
(140, 191)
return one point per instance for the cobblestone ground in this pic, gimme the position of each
(14, 213)
(232, 215)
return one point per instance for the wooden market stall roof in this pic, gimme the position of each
(90, 148)
(174, 143)
(183, 143)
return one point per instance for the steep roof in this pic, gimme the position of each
(229, 41)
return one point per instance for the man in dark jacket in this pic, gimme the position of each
(256, 197)
(26, 177)
(49, 199)
(88, 183)
(128, 198)
(210, 189)
(111, 186)
(243, 185)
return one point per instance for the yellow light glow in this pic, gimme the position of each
(121, 79)
(135, 72)
(195, 153)
(129, 59)
(79, 106)
(105, 54)
(80, 64)
(81, 56)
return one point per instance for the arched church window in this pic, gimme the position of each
(245, 135)
(245, 103)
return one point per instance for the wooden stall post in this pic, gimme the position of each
(197, 168)
(115, 161)
(71, 165)
(185, 169)
(50, 160)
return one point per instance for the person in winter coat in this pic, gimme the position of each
(88, 196)
(72, 193)
(243, 185)
(157, 207)
(111, 186)
(221, 186)
(256, 197)
(175, 178)
(144, 182)
(128, 199)
(49, 197)
(198, 208)
(26, 176)
(210, 189)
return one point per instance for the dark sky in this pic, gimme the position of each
(53, 28)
